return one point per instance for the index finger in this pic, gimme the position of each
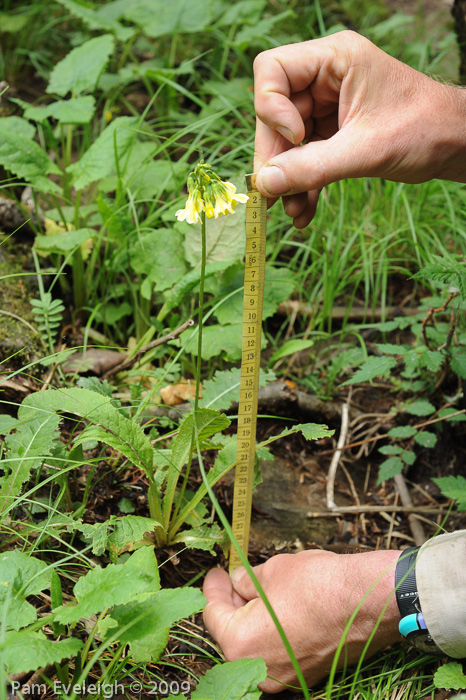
(220, 607)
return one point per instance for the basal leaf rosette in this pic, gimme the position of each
(208, 193)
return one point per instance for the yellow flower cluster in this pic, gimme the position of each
(208, 193)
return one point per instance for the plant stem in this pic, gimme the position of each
(198, 363)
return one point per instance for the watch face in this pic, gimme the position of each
(424, 642)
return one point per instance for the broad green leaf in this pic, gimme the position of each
(7, 423)
(203, 537)
(255, 33)
(208, 422)
(450, 676)
(117, 584)
(97, 533)
(280, 284)
(223, 389)
(99, 160)
(158, 17)
(449, 412)
(12, 24)
(402, 431)
(426, 439)
(458, 361)
(234, 680)
(390, 349)
(389, 468)
(66, 241)
(157, 255)
(217, 340)
(79, 71)
(174, 297)
(26, 449)
(76, 110)
(408, 457)
(242, 12)
(120, 432)
(390, 450)
(27, 651)
(453, 487)
(373, 367)
(149, 620)
(290, 348)
(23, 156)
(226, 237)
(98, 20)
(20, 576)
(421, 407)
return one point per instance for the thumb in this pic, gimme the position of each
(242, 583)
(310, 167)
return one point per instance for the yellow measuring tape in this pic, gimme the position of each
(254, 273)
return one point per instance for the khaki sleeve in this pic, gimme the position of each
(441, 583)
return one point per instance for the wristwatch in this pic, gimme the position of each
(412, 624)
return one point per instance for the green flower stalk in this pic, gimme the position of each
(208, 197)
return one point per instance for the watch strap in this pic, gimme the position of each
(407, 596)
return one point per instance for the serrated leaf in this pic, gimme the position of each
(99, 160)
(148, 621)
(121, 432)
(26, 449)
(27, 651)
(313, 431)
(389, 468)
(157, 255)
(421, 407)
(76, 110)
(63, 242)
(20, 576)
(202, 537)
(432, 360)
(453, 487)
(117, 584)
(79, 71)
(458, 361)
(426, 439)
(223, 389)
(98, 20)
(373, 367)
(24, 157)
(131, 532)
(450, 676)
(234, 680)
(402, 431)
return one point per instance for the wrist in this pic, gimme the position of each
(373, 586)
(450, 146)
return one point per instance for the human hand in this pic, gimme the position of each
(360, 113)
(313, 594)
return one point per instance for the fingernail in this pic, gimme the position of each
(286, 133)
(237, 574)
(273, 180)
